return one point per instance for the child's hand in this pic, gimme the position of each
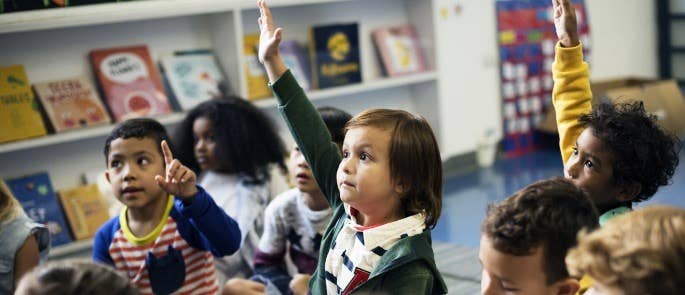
(270, 36)
(300, 284)
(565, 23)
(179, 180)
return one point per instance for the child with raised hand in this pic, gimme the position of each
(640, 252)
(74, 277)
(617, 153)
(525, 238)
(232, 144)
(24, 242)
(294, 223)
(166, 236)
(385, 190)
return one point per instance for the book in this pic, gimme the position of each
(257, 82)
(295, 58)
(37, 197)
(85, 208)
(130, 82)
(193, 77)
(19, 111)
(399, 50)
(335, 55)
(71, 103)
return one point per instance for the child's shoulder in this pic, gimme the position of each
(284, 200)
(110, 227)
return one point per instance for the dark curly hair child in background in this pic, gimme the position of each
(233, 146)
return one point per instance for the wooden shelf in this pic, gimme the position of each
(107, 13)
(71, 248)
(174, 118)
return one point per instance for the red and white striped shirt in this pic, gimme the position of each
(129, 259)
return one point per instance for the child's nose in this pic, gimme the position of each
(571, 169)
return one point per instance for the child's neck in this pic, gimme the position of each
(374, 217)
(143, 220)
(315, 201)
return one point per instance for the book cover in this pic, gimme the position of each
(257, 81)
(399, 50)
(85, 208)
(19, 111)
(297, 61)
(193, 77)
(71, 103)
(130, 82)
(335, 55)
(37, 197)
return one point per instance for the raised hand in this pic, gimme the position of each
(179, 180)
(269, 38)
(565, 23)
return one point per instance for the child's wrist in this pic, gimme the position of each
(569, 40)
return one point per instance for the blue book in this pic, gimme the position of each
(38, 198)
(335, 55)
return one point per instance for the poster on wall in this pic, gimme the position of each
(526, 38)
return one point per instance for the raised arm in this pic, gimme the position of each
(571, 95)
(302, 118)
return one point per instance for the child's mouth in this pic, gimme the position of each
(130, 192)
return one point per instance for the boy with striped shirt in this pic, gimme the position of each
(166, 236)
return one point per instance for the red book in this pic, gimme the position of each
(130, 82)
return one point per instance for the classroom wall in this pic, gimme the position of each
(624, 43)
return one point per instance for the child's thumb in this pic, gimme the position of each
(278, 34)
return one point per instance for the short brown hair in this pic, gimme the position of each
(641, 252)
(414, 159)
(70, 277)
(547, 214)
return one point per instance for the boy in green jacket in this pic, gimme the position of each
(385, 190)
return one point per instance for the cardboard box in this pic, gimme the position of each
(661, 98)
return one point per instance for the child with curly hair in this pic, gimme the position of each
(232, 145)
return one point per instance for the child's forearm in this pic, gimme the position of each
(275, 68)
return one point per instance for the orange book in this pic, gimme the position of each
(85, 208)
(71, 104)
(130, 82)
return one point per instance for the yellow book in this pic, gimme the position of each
(85, 208)
(19, 113)
(257, 82)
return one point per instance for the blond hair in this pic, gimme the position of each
(641, 252)
(9, 206)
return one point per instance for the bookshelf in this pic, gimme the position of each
(54, 44)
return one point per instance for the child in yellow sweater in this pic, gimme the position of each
(617, 153)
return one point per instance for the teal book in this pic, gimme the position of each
(193, 77)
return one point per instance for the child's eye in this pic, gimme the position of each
(345, 154)
(363, 156)
(297, 148)
(143, 161)
(115, 164)
(575, 150)
(588, 164)
(211, 138)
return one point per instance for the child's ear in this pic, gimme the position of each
(107, 176)
(567, 286)
(629, 192)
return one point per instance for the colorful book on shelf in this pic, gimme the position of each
(399, 50)
(296, 59)
(257, 82)
(335, 55)
(71, 103)
(85, 208)
(19, 111)
(130, 82)
(193, 77)
(37, 197)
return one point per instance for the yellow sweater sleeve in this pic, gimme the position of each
(571, 95)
